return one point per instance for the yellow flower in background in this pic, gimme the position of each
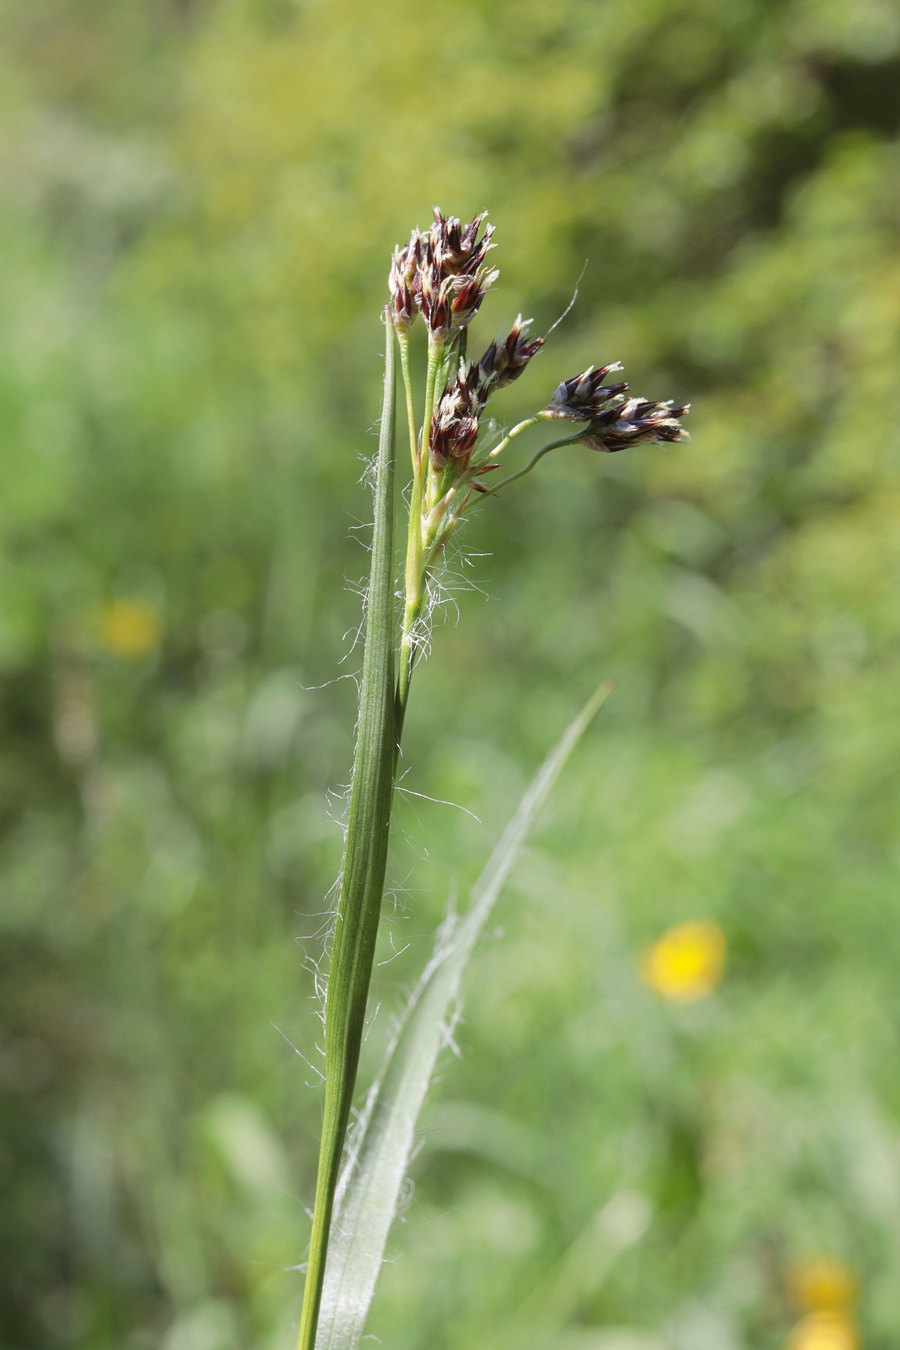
(822, 1285)
(825, 1331)
(129, 628)
(686, 963)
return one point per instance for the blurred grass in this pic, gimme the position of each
(198, 204)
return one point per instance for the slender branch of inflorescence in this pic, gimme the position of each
(535, 459)
(522, 426)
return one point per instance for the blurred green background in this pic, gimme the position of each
(198, 204)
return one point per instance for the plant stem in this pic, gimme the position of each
(403, 342)
(415, 569)
(364, 863)
(433, 369)
(520, 473)
(522, 426)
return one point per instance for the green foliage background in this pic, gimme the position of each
(198, 206)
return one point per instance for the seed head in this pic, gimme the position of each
(456, 248)
(633, 420)
(451, 275)
(506, 358)
(454, 426)
(585, 396)
(468, 293)
(401, 279)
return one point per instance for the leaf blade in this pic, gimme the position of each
(364, 862)
(374, 1175)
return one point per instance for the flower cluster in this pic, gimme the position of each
(584, 397)
(454, 427)
(636, 419)
(402, 280)
(455, 424)
(505, 359)
(442, 274)
(615, 421)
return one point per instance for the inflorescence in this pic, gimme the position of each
(443, 274)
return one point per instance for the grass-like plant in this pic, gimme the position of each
(443, 275)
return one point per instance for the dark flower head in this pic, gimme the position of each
(454, 426)
(451, 276)
(401, 279)
(467, 294)
(583, 398)
(633, 420)
(506, 358)
(457, 248)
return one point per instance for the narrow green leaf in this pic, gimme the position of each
(364, 862)
(374, 1175)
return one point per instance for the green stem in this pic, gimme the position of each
(403, 341)
(522, 426)
(364, 863)
(415, 570)
(436, 353)
(520, 473)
